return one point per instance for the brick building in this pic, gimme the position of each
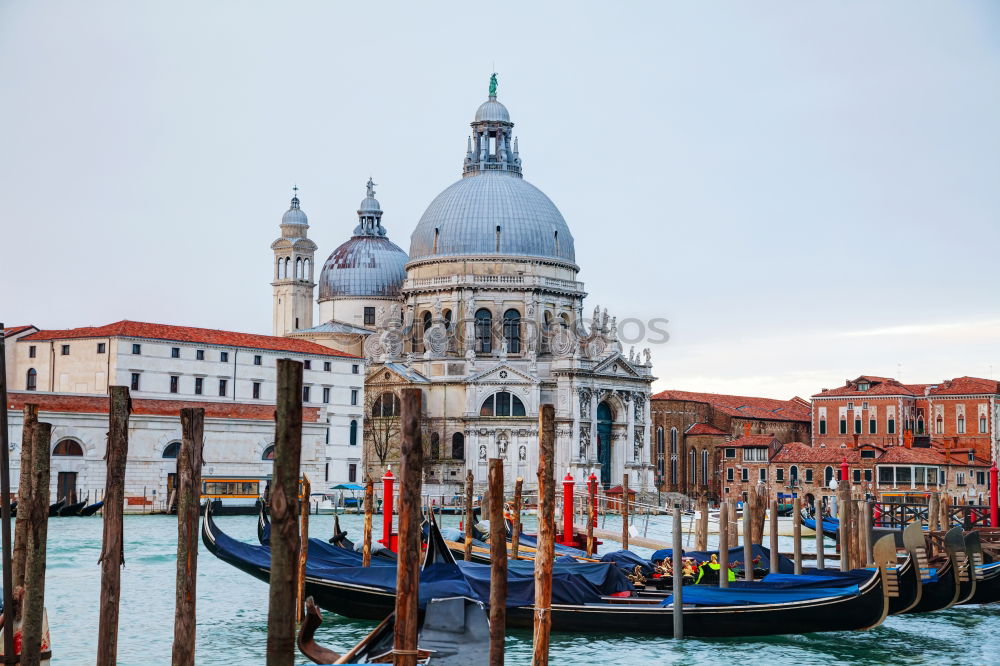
(689, 428)
(957, 414)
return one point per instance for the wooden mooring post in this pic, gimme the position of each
(515, 538)
(285, 544)
(366, 547)
(113, 548)
(820, 543)
(411, 466)
(677, 587)
(844, 542)
(305, 490)
(189, 460)
(20, 549)
(6, 557)
(591, 513)
(724, 544)
(701, 527)
(468, 516)
(625, 511)
(772, 529)
(797, 535)
(33, 609)
(747, 541)
(498, 564)
(545, 553)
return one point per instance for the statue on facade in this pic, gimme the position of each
(493, 85)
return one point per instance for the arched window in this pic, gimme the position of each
(660, 455)
(435, 446)
(939, 425)
(512, 330)
(502, 404)
(692, 466)
(827, 476)
(353, 441)
(920, 425)
(277, 269)
(961, 425)
(31, 380)
(305, 269)
(674, 473)
(288, 260)
(171, 450)
(704, 467)
(458, 446)
(268, 453)
(428, 320)
(68, 447)
(484, 333)
(298, 268)
(447, 318)
(386, 404)
(793, 475)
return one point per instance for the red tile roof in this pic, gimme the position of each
(96, 404)
(753, 440)
(747, 407)
(966, 386)
(14, 330)
(704, 429)
(879, 386)
(208, 336)
(797, 452)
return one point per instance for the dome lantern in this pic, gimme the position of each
(491, 146)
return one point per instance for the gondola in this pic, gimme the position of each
(319, 549)
(988, 586)
(452, 632)
(368, 593)
(91, 509)
(54, 508)
(968, 572)
(831, 526)
(912, 573)
(71, 509)
(942, 590)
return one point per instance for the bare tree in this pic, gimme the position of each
(381, 427)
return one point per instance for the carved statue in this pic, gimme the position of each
(482, 452)
(522, 453)
(647, 355)
(584, 403)
(493, 85)
(371, 189)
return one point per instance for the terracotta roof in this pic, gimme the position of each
(704, 429)
(879, 386)
(753, 440)
(797, 452)
(795, 409)
(966, 386)
(208, 336)
(14, 330)
(96, 404)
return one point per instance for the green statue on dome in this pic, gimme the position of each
(493, 85)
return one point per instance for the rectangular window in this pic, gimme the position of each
(755, 454)
(256, 390)
(307, 364)
(822, 426)
(223, 388)
(305, 394)
(850, 406)
(982, 422)
(809, 475)
(32, 351)
(257, 359)
(868, 453)
(885, 475)
(102, 347)
(730, 474)
(135, 381)
(904, 475)
(961, 426)
(980, 478)
(175, 352)
(868, 475)
(199, 354)
(352, 472)
(224, 357)
(327, 366)
(730, 453)
(891, 426)
(326, 395)
(65, 350)
(779, 474)
(136, 349)
(354, 396)
(959, 478)
(843, 426)
(369, 316)
(354, 369)
(174, 381)
(744, 474)
(857, 426)
(872, 426)
(763, 474)
(857, 476)
(199, 385)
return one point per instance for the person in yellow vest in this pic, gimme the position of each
(713, 565)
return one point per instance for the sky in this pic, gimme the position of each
(806, 191)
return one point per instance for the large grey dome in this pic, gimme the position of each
(465, 218)
(364, 266)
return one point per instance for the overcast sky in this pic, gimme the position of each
(807, 191)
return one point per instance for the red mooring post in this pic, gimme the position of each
(592, 485)
(994, 504)
(387, 482)
(844, 470)
(567, 537)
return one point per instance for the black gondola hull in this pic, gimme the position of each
(939, 594)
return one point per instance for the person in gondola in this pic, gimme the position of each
(709, 571)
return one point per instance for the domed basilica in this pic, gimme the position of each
(485, 315)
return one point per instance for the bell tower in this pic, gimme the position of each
(293, 272)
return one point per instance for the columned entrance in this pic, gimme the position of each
(605, 416)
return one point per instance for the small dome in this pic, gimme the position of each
(371, 266)
(492, 110)
(369, 205)
(294, 215)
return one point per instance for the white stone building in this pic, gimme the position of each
(486, 317)
(231, 375)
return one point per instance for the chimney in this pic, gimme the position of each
(746, 429)
(855, 444)
(955, 442)
(908, 439)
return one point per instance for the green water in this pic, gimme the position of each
(232, 612)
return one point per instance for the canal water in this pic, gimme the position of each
(232, 612)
